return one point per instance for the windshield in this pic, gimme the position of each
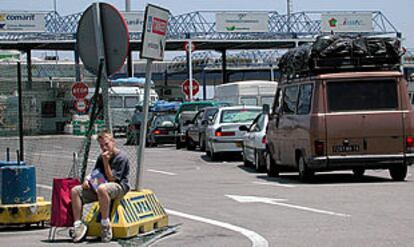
(115, 101)
(164, 120)
(131, 101)
(194, 107)
(239, 116)
(380, 94)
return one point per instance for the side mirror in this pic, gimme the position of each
(243, 128)
(188, 122)
(204, 122)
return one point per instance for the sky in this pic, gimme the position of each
(398, 12)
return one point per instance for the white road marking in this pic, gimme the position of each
(44, 186)
(256, 239)
(275, 184)
(250, 199)
(162, 172)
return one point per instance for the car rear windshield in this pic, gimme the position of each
(378, 94)
(239, 116)
(194, 107)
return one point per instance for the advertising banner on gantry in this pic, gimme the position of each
(134, 20)
(242, 22)
(346, 22)
(22, 21)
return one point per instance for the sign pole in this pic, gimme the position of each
(190, 68)
(143, 127)
(101, 56)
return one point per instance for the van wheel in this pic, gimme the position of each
(272, 170)
(305, 175)
(398, 173)
(259, 161)
(358, 172)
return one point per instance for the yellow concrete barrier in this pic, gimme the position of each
(28, 213)
(137, 212)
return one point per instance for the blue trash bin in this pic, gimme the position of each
(17, 184)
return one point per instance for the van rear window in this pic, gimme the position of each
(362, 95)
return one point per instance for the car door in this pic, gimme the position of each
(250, 138)
(192, 130)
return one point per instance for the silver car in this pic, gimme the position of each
(254, 143)
(223, 133)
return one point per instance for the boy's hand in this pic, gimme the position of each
(85, 185)
(106, 155)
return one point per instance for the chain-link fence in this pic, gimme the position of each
(53, 131)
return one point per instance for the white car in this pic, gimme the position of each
(254, 144)
(223, 133)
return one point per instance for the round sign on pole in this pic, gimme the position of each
(185, 86)
(79, 90)
(81, 105)
(187, 46)
(115, 37)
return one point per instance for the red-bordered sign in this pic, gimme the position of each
(185, 86)
(79, 90)
(187, 46)
(81, 105)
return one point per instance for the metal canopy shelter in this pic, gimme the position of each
(284, 32)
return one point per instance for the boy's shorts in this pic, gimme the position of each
(115, 191)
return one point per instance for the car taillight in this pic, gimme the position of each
(156, 132)
(409, 140)
(222, 133)
(264, 140)
(319, 148)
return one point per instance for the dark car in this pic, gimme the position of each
(196, 132)
(161, 129)
(187, 112)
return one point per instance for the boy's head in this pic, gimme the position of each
(106, 141)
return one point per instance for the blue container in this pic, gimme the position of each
(11, 163)
(17, 184)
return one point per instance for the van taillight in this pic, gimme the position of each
(319, 148)
(410, 141)
(264, 140)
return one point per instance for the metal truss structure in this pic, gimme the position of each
(201, 25)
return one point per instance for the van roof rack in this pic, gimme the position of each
(331, 54)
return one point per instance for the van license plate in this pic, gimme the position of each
(347, 148)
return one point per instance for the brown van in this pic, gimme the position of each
(342, 121)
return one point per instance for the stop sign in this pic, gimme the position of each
(186, 87)
(79, 90)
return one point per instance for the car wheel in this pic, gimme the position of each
(259, 162)
(246, 162)
(177, 143)
(202, 143)
(398, 172)
(189, 143)
(213, 155)
(305, 175)
(272, 170)
(358, 172)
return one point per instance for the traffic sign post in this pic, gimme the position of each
(154, 35)
(190, 89)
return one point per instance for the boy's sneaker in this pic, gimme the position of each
(79, 232)
(106, 233)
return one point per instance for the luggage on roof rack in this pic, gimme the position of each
(332, 53)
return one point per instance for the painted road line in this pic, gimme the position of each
(161, 172)
(275, 201)
(275, 184)
(256, 239)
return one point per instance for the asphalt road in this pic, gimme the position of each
(227, 204)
